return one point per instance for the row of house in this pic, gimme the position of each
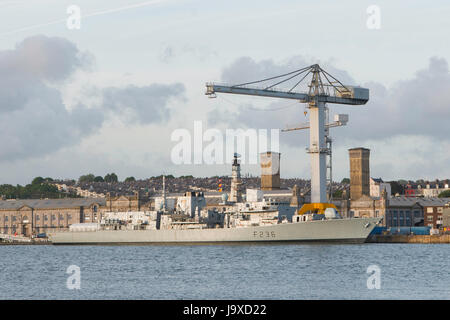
(33, 216)
(433, 189)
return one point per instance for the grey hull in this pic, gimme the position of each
(339, 230)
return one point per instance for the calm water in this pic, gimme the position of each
(294, 271)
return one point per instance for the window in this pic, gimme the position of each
(14, 219)
(53, 217)
(37, 218)
(440, 210)
(6, 218)
(430, 218)
(429, 210)
(45, 217)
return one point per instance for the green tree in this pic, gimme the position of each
(38, 180)
(337, 194)
(130, 179)
(111, 177)
(346, 180)
(444, 194)
(86, 178)
(99, 179)
(396, 187)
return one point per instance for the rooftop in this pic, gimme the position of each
(50, 203)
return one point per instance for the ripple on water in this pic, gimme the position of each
(408, 271)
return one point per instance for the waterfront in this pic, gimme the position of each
(294, 271)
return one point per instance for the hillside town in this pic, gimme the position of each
(410, 205)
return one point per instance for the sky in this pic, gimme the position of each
(108, 97)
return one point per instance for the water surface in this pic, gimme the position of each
(293, 271)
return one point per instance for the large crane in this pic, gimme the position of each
(323, 89)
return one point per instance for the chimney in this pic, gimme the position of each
(270, 170)
(359, 172)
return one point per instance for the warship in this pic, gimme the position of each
(354, 230)
(256, 219)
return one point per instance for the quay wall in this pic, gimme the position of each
(400, 238)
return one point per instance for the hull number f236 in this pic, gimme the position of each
(264, 234)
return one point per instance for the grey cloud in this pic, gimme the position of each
(142, 104)
(44, 58)
(278, 113)
(245, 69)
(415, 106)
(33, 118)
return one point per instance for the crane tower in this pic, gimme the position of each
(323, 89)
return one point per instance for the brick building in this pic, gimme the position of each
(33, 216)
(433, 210)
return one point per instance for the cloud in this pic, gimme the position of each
(415, 106)
(142, 104)
(403, 124)
(245, 69)
(33, 118)
(34, 121)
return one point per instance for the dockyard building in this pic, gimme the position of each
(33, 216)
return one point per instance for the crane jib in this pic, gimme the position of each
(302, 97)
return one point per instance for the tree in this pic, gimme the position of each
(86, 178)
(444, 194)
(111, 177)
(130, 179)
(396, 187)
(99, 179)
(346, 180)
(38, 180)
(337, 194)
